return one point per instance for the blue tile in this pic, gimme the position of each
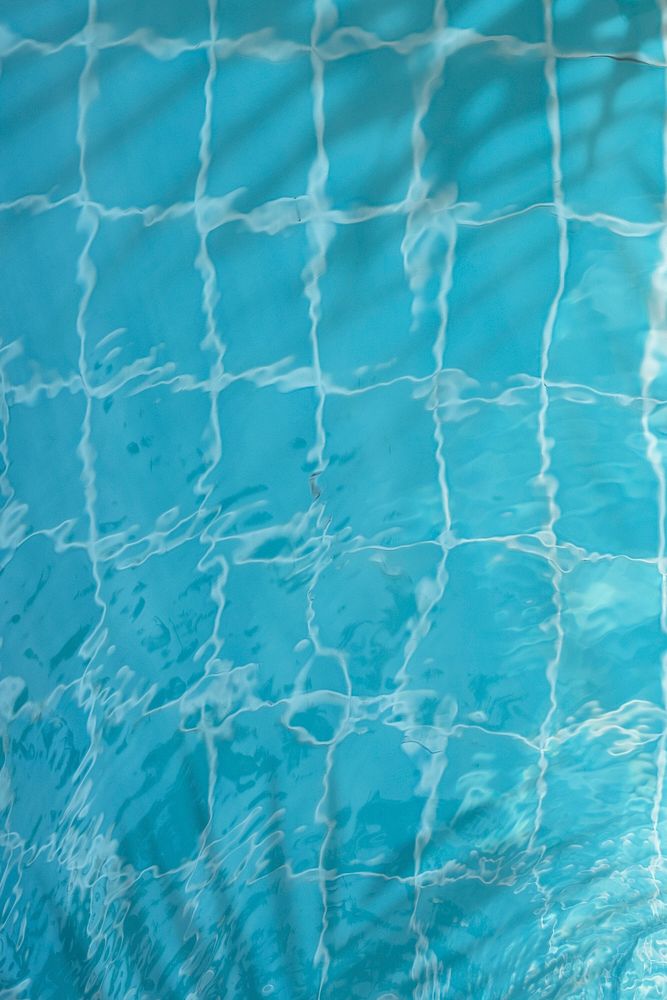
(604, 317)
(121, 337)
(493, 460)
(166, 136)
(523, 19)
(608, 26)
(187, 21)
(278, 331)
(386, 18)
(40, 154)
(372, 334)
(381, 479)
(51, 430)
(604, 168)
(369, 109)
(497, 609)
(487, 130)
(291, 22)
(44, 21)
(505, 279)
(611, 652)
(599, 445)
(45, 252)
(268, 162)
(163, 463)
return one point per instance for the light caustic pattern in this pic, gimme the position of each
(334, 574)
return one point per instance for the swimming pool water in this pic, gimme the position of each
(334, 432)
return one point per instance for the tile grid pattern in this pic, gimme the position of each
(321, 223)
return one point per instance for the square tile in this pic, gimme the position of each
(159, 440)
(370, 939)
(268, 785)
(39, 293)
(523, 19)
(608, 26)
(486, 807)
(160, 615)
(491, 639)
(607, 491)
(493, 461)
(604, 169)
(504, 281)
(268, 162)
(392, 20)
(48, 610)
(39, 152)
(255, 488)
(43, 751)
(276, 331)
(603, 318)
(377, 821)
(492, 108)
(272, 928)
(373, 335)
(44, 21)
(588, 775)
(291, 22)
(613, 640)
(471, 929)
(156, 318)
(46, 469)
(164, 132)
(189, 21)
(369, 109)
(366, 605)
(275, 641)
(150, 786)
(381, 480)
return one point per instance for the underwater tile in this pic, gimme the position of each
(165, 135)
(493, 461)
(41, 591)
(42, 268)
(604, 169)
(606, 489)
(369, 937)
(366, 604)
(490, 639)
(381, 479)
(389, 19)
(157, 321)
(268, 786)
(161, 612)
(162, 465)
(603, 318)
(50, 430)
(44, 21)
(290, 22)
(376, 812)
(369, 109)
(475, 937)
(273, 161)
(256, 493)
(485, 810)
(607, 26)
(493, 109)
(375, 334)
(523, 19)
(266, 337)
(39, 116)
(188, 21)
(504, 280)
(613, 643)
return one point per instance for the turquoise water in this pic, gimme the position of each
(333, 471)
